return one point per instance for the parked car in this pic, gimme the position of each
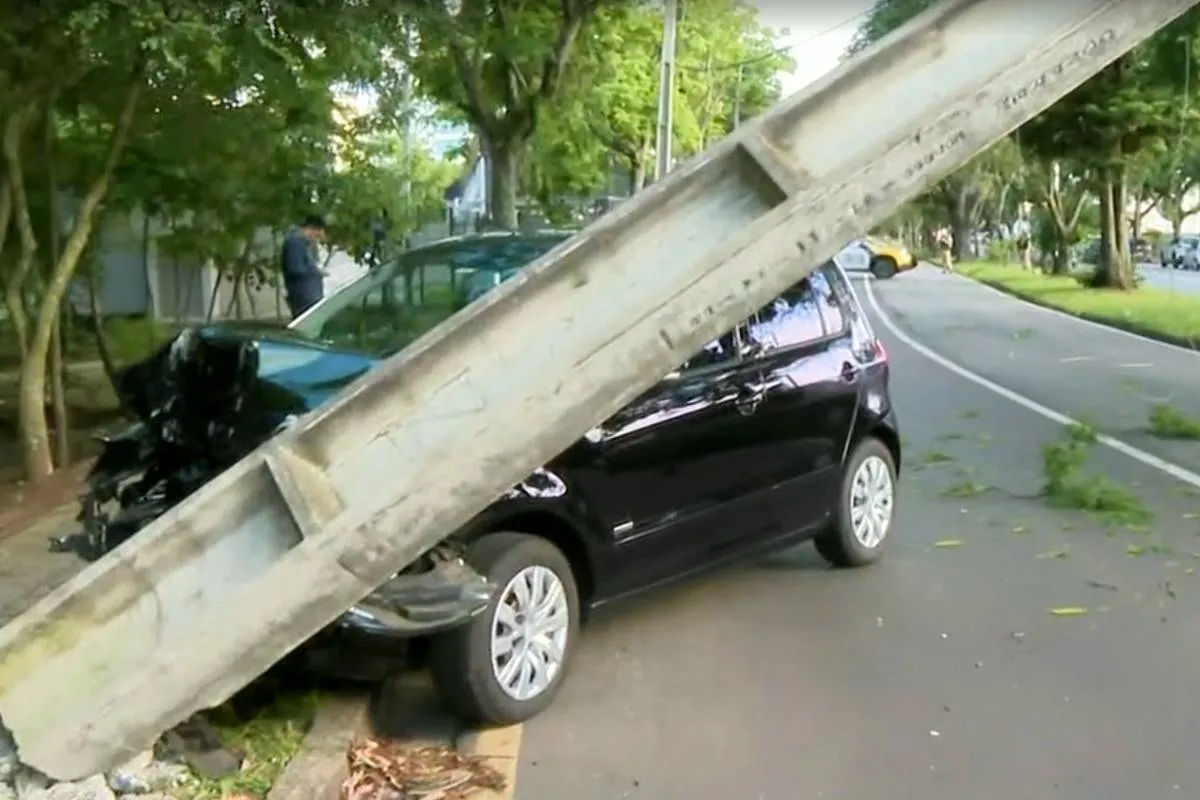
(780, 431)
(1173, 253)
(1188, 255)
(1141, 251)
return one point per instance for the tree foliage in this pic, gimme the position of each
(216, 120)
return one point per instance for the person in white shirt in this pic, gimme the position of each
(1022, 233)
(945, 243)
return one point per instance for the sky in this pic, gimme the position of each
(819, 32)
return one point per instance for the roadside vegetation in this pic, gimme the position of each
(1173, 315)
(265, 739)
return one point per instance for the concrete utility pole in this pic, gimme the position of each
(666, 90)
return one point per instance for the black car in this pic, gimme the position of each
(780, 431)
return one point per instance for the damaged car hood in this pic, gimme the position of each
(226, 388)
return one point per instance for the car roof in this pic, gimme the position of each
(494, 236)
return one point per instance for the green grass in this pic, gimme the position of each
(1176, 315)
(268, 741)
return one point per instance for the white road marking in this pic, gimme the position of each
(1136, 365)
(1080, 320)
(1137, 454)
(1074, 359)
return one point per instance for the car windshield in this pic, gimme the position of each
(385, 309)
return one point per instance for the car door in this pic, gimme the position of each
(809, 400)
(655, 472)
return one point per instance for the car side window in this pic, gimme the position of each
(790, 319)
(829, 302)
(368, 324)
(808, 311)
(721, 350)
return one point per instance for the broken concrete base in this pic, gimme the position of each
(144, 777)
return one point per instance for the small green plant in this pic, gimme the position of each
(970, 413)
(1069, 486)
(964, 487)
(1169, 423)
(934, 457)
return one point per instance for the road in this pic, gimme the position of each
(942, 672)
(1171, 280)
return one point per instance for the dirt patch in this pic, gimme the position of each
(29, 570)
(24, 505)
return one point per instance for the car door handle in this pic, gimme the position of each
(849, 372)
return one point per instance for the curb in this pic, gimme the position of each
(1126, 327)
(318, 769)
(499, 747)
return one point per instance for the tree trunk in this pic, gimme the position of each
(504, 170)
(14, 297)
(58, 365)
(1113, 270)
(97, 312)
(637, 174)
(35, 445)
(216, 291)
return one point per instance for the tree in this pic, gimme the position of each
(963, 195)
(499, 64)
(216, 116)
(727, 67)
(1130, 111)
(1171, 180)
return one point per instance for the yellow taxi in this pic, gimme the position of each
(888, 257)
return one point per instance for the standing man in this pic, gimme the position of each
(379, 233)
(1023, 237)
(945, 244)
(303, 279)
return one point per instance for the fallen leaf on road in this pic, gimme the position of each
(948, 543)
(1068, 611)
(1020, 529)
(1062, 553)
(1098, 585)
(1134, 549)
(1191, 515)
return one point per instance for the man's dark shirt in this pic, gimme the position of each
(301, 277)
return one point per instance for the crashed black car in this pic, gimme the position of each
(780, 431)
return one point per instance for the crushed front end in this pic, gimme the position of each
(196, 404)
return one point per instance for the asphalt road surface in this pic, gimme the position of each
(1171, 280)
(942, 673)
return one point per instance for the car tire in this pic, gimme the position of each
(883, 267)
(870, 473)
(461, 661)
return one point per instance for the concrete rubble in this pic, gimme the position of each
(151, 775)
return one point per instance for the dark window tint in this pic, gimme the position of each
(719, 351)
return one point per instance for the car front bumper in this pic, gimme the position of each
(419, 604)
